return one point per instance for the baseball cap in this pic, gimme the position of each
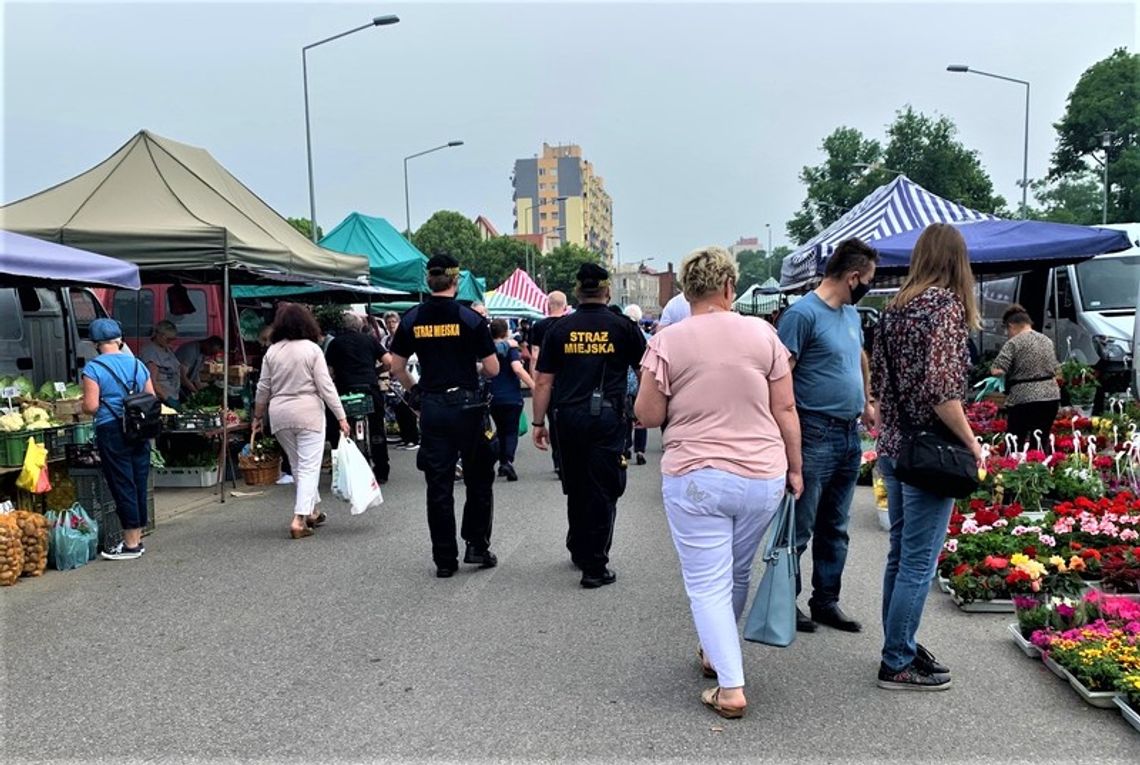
(103, 330)
(442, 264)
(591, 276)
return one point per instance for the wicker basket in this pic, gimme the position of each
(259, 472)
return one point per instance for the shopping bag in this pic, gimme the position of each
(524, 423)
(355, 482)
(68, 541)
(92, 531)
(772, 619)
(34, 476)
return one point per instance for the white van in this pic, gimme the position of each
(1089, 309)
(1136, 351)
(44, 332)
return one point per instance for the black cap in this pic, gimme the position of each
(591, 276)
(442, 264)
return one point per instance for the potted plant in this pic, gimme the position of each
(1080, 382)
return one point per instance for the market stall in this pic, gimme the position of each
(177, 214)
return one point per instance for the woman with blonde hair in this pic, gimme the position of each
(732, 449)
(919, 377)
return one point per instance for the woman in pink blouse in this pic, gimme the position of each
(721, 385)
(919, 375)
(295, 387)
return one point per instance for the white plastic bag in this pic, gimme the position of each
(353, 480)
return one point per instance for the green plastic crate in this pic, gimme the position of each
(13, 446)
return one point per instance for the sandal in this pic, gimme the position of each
(706, 669)
(710, 697)
(312, 522)
(300, 533)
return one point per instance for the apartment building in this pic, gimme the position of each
(559, 194)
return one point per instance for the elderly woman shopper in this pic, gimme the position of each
(166, 369)
(126, 464)
(732, 450)
(1029, 364)
(294, 388)
(919, 377)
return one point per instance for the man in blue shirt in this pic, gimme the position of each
(822, 332)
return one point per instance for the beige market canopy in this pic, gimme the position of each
(170, 207)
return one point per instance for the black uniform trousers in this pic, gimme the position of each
(593, 478)
(447, 432)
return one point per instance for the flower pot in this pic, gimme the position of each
(1098, 699)
(1026, 647)
(1085, 409)
(1131, 715)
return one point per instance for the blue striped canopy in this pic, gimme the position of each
(895, 208)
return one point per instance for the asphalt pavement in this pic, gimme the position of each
(228, 641)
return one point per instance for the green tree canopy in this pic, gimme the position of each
(1106, 98)
(1073, 198)
(498, 259)
(306, 228)
(560, 267)
(450, 233)
(924, 148)
(756, 266)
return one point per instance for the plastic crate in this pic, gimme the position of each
(13, 446)
(83, 433)
(193, 422)
(184, 477)
(57, 440)
(357, 405)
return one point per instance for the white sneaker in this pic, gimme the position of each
(285, 479)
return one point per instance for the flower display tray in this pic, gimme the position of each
(1026, 647)
(995, 606)
(185, 478)
(1055, 668)
(944, 584)
(1098, 699)
(1130, 714)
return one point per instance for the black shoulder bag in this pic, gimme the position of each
(142, 411)
(931, 458)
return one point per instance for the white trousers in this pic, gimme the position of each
(718, 520)
(305, 449)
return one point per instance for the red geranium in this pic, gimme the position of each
(986, 517)
(994, 563)
(961, 568)
(1035, 455)
(1012, 510)
(1031, 551)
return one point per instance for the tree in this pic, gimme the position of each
(756, 267)
(560, 267)
(1074, 198)
(1106, 98)
(926, 149)
(450, 233)
(499, 257)
(303, 225)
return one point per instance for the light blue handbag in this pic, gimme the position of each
(772, 619)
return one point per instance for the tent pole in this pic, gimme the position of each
(225, 380)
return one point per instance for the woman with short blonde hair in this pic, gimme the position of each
(919, 377)
(732, 449)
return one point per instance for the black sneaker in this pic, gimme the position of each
(508, 470)
(601, 579)
(122, 552)
(485, 559)
(503, 470)
(911, 679)
(446, 572)
(924, 661)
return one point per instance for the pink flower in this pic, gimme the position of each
(1128, 535)
(1047, 540)
(951, 545)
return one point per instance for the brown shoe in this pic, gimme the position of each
(312, 522)
(710, 697)
(300, 533)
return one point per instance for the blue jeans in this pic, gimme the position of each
(918, 530)
(126, 466)
(831, 451)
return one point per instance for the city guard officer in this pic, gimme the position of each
(582, 382)
(454, 347)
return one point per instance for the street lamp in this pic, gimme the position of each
(963, 69)
(768, 226)
(378, 21)
(1106, 144)
(407, 205)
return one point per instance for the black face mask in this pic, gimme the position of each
(859, 291)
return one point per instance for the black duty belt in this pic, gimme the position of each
(456, 397)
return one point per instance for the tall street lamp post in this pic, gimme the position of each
(768, 226)
(379, 21)
(962, 68)
(407, 204)
(1106, 144)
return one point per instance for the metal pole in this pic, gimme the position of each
(309, 147)
(225, 461)
(407, 204)
(1025, 161)
(1104, 211)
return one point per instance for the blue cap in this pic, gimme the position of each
(103, 330)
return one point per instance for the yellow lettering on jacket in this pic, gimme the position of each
(589, 337)
(588, 349)
(427, 331)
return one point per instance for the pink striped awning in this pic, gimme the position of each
(520, 286)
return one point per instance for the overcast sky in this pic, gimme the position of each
(699, 117)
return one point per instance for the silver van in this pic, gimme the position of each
(44, 332)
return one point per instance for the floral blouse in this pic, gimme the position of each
(927, 340)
